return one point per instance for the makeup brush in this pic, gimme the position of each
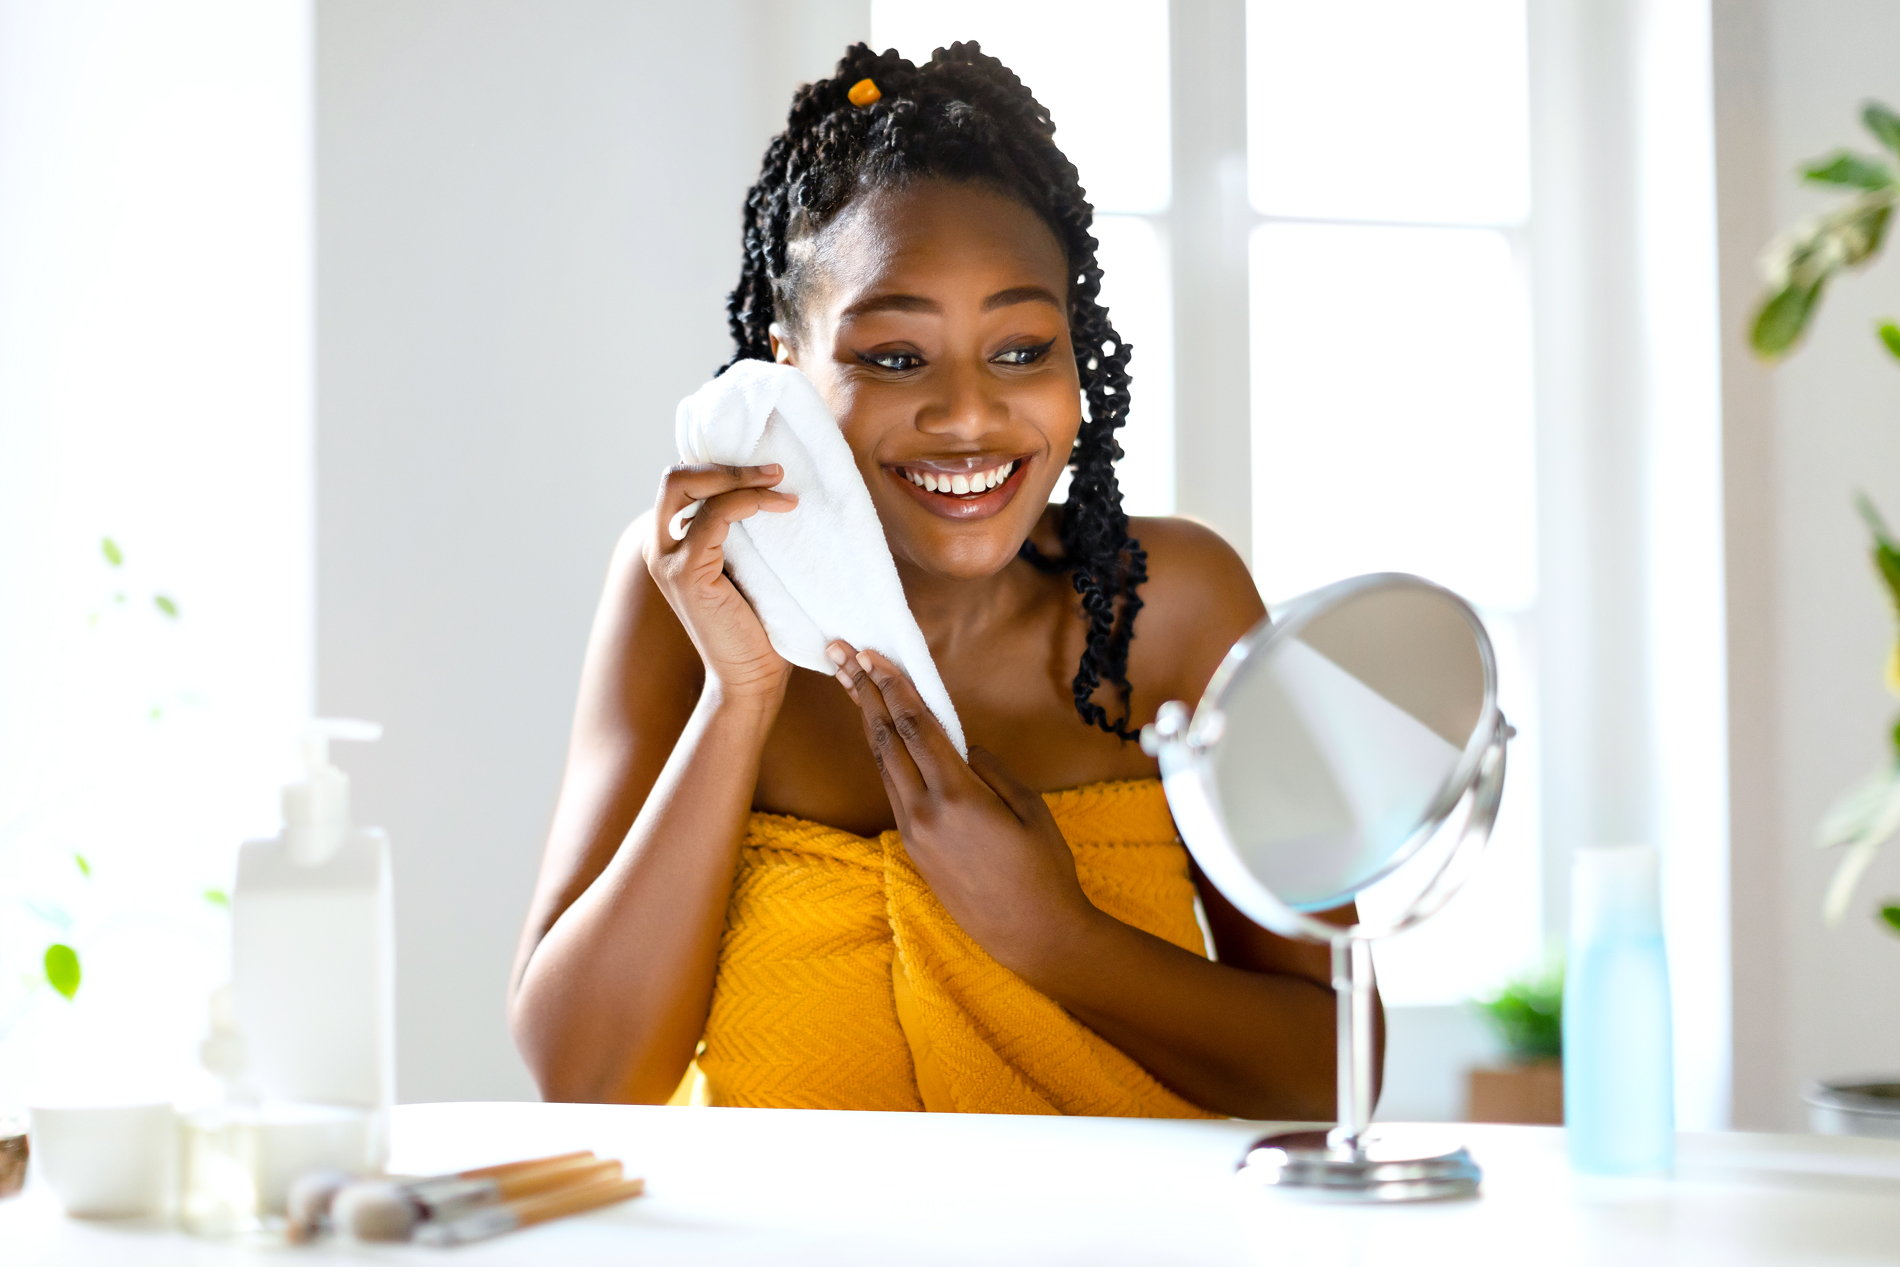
(388, 1210)
(497, 1219)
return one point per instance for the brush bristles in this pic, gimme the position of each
(374, 1211)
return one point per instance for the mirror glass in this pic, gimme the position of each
(1344, 735)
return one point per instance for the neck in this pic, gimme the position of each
(956, 612)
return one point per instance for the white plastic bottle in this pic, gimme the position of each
(1619, 1084)
(313, 973)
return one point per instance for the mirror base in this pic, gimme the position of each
(1382, 1169)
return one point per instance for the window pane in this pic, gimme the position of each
(1135, 290)
(1388, 110)
(1391, 410)
(1100, 67)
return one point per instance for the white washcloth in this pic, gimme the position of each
(822, 571)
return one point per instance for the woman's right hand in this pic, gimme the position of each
(691, 572)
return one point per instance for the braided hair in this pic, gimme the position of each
(962, 116)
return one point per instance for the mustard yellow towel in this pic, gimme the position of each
(844, 984)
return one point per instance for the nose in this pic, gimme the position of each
(966, 407)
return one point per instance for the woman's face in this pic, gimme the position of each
(935, 325)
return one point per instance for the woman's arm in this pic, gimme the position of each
(678, 692)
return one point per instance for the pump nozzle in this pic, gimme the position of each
(317, 811)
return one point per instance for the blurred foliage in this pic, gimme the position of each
(1799, 263)
(1528, 1015)
(62, 968)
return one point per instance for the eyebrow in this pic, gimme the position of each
(917, 303)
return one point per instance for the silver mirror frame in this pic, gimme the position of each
(1346, 1163)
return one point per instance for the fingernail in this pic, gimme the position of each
(864, 661)
(836, 654)
(844, 679)
(771, 468)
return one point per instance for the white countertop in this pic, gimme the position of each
(761, 1186)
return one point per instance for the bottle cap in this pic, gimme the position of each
(1615, 891)
(317, 810)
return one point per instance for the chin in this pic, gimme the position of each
(958, 557)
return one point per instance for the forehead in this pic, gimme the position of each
(930, 238)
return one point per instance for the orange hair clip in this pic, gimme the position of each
(864, 93)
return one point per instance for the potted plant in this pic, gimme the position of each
(1528, 1018)
(1799, 264)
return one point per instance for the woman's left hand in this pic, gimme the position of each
(986, 844)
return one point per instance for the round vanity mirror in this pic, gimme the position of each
(1353, 738)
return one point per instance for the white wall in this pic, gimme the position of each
(1809, 626)
(528, 221)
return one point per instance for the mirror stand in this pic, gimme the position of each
(1353, 1162)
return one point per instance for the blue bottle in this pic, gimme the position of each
(1619, 1076)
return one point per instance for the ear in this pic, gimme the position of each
(781, 345)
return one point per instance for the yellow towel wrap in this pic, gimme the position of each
(844, 984)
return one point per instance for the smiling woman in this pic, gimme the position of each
(798, 878)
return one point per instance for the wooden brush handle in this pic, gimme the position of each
(534, 1182)
(533, 1163)
(575, 1200)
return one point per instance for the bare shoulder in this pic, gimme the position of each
(1198, 600)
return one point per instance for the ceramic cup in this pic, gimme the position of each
(108, 1162)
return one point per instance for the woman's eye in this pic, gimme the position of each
(1023, 356)
(892, 360)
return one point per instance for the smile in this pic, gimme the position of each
(959, 485)
(962, 494)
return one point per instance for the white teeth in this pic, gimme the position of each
(975, 482)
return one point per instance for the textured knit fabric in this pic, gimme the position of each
(844, 984)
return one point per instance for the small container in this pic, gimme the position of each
(1619, 1082)
(108, 1161)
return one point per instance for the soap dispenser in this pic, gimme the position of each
(313, 955)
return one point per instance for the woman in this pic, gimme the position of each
(801, 872)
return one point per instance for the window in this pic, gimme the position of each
(1388, 171)
(1105, 83)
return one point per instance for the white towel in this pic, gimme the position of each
(822, 571)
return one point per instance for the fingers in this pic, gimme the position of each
(681, 486)
(918, 728)
(709, 526)
(903, 782)
(1023, 801)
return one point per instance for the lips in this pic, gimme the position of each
(962, 489)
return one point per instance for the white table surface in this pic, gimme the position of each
(760, 1186)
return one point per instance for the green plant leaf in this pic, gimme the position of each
(110, 548)
(1781, 321)
(218, 898)
(85, 868)
(62, 968)
(1890, 337)
(1528, 1014)
(1844, 167)
(165, 605)
(1890, 915)
(1861, 229)
(1883, 123)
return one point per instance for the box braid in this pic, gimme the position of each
(963, 116)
